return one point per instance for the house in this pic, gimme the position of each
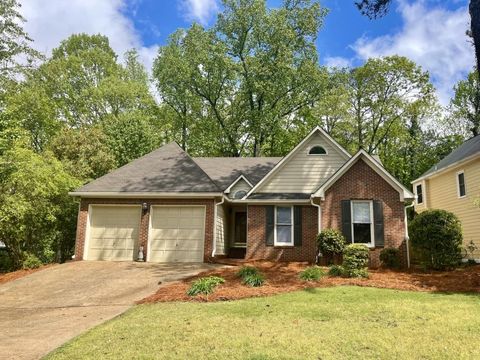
(170, 207)
(453, 184)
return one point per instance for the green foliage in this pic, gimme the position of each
(331, 241)
(36, 214)
(336, 270)
(390, 257)
(204, 285)
(312, 273)
(254, 280)
(355, 260)
(5, 261)
(246, 271)
(31, 262)
(436, 235)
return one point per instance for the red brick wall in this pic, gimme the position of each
(256, 233)
(361, 182)
(143, 237)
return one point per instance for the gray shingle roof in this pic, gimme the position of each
(167, 169)
(223, 171)
(468, 148)
(280, 196)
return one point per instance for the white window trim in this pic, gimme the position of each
(311, 147)
(458, 184)
(423, 194)
(371, 244)
(275, 243)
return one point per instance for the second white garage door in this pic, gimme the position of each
(177, 234)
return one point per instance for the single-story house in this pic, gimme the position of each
(170, 207)
(453, 184)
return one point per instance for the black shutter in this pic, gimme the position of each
(378, 222)
(347, 220)
(270, 224)
(297, 230)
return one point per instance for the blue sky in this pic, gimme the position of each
(430, 32)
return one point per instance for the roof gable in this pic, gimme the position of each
(165, 170)
(404, 193)
(299, 172)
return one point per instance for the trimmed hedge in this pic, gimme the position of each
(390, 258)
(355, 260)
(436, 236)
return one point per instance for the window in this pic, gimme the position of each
(362, 222)
(284, 225)
(419, 194)
(239, 194)
(317, 150)
(462, 191)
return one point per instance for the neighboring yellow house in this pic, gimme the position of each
(453, 184)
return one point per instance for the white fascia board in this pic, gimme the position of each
(113, 194)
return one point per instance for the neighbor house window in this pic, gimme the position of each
(419, 194)
(317, 150)
(462, 191)
(284, 225)
(362, 222)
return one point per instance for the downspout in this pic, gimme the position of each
(214, 247)
(407, 238)
(319, 223)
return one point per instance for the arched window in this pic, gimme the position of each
(239, 194)
(317, 150)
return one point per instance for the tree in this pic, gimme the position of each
(241, 83)
(465, 106)
(35, 210)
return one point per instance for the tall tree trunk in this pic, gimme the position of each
(474, 9)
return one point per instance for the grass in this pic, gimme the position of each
(328, 323)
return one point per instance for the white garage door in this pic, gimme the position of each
(114, 232)
(177, 234)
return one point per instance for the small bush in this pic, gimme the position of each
(390, 257)
(312, 273)
(436, 236)
(356, 273)
(254, 280)
(355, 260)
(205, 285)
(331, 242)
(247, 271)
(31, 262)
(5, 261)
(336, 270)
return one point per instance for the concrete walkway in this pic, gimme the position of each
(43, 310)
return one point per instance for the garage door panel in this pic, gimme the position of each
(114, 232)
(177, 234)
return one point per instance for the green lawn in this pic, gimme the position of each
(329, 323)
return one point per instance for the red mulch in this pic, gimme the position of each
(283, 277)
(14, 275)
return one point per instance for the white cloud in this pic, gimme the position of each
(432, 37)
(337, 62)
(49, 22)
(199, 10)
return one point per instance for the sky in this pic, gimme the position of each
(429, 32)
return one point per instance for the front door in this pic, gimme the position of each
(240, 228)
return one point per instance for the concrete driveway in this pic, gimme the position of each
(43, 310)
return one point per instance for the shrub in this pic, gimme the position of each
(246, 271)
(31, 262)
(254, 280)
(5, 261)
(312, 273)
(390, 257)
(436, 236)
(204, 285)
(331, 242)
(355, 260)
(336, 270)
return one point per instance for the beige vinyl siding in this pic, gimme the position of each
(240, 185)
(304, 173)
(221, 231)
(442, 193)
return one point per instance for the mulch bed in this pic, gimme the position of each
(14, 275)
(284, 277)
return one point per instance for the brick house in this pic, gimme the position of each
(169, 207)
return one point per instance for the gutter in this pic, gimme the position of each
(214, 245)
(407, 238)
